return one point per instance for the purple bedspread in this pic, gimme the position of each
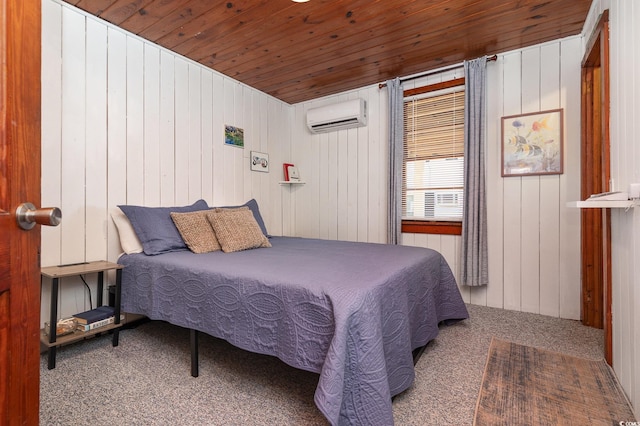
(352, 312)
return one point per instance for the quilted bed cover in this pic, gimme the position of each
(352, 312)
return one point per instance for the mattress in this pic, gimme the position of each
(351, 312)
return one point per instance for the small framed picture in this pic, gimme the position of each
(233, 136)
(294, 174)
(259, 161)
(532, 144)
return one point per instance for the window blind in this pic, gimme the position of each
(434, 155)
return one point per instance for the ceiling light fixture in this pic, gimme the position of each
(300, 1)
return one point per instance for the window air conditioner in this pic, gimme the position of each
(344, 115)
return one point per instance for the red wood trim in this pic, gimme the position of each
(595, 173)
(606, 102)
(436, 86)
(431, 227)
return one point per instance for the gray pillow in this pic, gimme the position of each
(155, 229)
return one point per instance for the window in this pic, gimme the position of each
(433, 169)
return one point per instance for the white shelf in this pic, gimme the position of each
(291, 182)
(602, 204)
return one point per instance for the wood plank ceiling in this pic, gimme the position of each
(301, 51)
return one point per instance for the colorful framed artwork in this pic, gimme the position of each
(532, 143)
(259, 161)
(233, 136)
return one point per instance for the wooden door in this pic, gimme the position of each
(595, 165)
(19, 182)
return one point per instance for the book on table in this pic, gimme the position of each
(93, 315)
(98, 324)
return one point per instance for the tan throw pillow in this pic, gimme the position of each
(237, 229)
(196, 231)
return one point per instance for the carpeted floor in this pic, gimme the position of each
(524, 385)
(146, 380)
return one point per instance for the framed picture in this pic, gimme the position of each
(233, 136)
(259, 162)
(532, 143)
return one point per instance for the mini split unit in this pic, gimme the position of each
(344, 115)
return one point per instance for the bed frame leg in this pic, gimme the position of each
(194, 352)
(417, 353)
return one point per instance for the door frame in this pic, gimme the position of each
(595, 178)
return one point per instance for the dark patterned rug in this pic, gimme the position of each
(523, 385)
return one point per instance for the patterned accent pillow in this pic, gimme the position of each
(196, 231)
(237, 229)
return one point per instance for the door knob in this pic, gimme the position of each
(27, 216)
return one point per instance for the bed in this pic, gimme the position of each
(351, 312)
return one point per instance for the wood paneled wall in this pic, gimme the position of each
(533, 236)
(625, 160)
(345, 173)
(127, 122)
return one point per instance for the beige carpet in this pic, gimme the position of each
(523, 385)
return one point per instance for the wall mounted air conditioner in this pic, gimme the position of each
(343, 115)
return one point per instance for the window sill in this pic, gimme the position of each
(431, 227)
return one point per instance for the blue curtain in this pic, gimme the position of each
(396, 136)
(475, 269)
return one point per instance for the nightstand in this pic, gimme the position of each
(55, 273)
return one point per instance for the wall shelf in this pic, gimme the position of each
(602, 204)
(291, 182)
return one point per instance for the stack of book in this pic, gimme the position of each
(95, 318)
